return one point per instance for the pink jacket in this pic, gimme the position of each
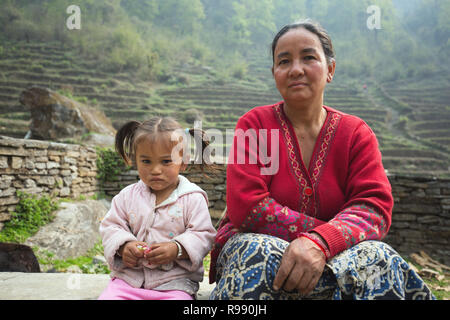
(183, 217)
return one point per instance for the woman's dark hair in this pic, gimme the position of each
(313, 27)
(160, 129)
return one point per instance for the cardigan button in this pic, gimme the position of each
(308, 191)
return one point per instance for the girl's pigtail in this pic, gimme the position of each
(124, 141)
(202, 141)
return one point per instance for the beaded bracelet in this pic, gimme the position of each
(323, 247)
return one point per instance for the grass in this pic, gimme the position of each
(30, 214)
(206, 263)
(436, 286)
(85, 262)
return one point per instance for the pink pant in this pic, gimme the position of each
(120, 290)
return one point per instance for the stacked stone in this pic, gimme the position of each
(213, 183)
(421, 215)
(43, 167)
(111, 188)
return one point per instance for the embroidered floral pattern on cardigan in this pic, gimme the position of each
(269, 217)
(358, 223)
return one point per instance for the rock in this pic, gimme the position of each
(100, 140)
(64, 286)
(99, 260)
(74, 269)
(73, 231)
(65, 192)
(418, 259)
(439, 288)
(424, 260)
(55, 117)
(106, 203)
(428, 219)
(17, 258)
(51, 286)
(428, 273)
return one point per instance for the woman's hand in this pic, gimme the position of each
(301, 267)
(130, 253)
(162, 253)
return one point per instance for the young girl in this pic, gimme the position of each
(158, 230)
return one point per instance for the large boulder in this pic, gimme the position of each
(74, 230)
(56, 117)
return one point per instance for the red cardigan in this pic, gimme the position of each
(344, 195)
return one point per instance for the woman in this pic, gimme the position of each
(306, 230)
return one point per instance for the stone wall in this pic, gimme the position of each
(39, 167)
(421, 217)
(68, 170)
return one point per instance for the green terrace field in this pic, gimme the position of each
(420, 115)
(411, 120)
(429, 115)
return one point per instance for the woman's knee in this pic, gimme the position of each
(254, 246)
(247, 250)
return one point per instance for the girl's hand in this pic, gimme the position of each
(301, 267)
(162, 253)
(130, 253)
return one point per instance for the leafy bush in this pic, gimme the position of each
(239, 71)
(192, 115)
(30, 214)
(109, 164)
(37, 68)
(402, 122)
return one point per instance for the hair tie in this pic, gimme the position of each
(187, 130)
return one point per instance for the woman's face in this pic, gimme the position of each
(300, 67)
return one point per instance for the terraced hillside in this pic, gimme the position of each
(428, 115)
(412, 124)
(48, 65)
(420, 114)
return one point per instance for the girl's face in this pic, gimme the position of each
(156, 167)
(300, 67)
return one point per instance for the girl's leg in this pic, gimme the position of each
(117, 290)
(120, 290)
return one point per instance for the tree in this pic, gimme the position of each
(260, 20)
(183, 16)
(146, 10)
(286, 12)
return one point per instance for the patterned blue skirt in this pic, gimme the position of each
(248, 263)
